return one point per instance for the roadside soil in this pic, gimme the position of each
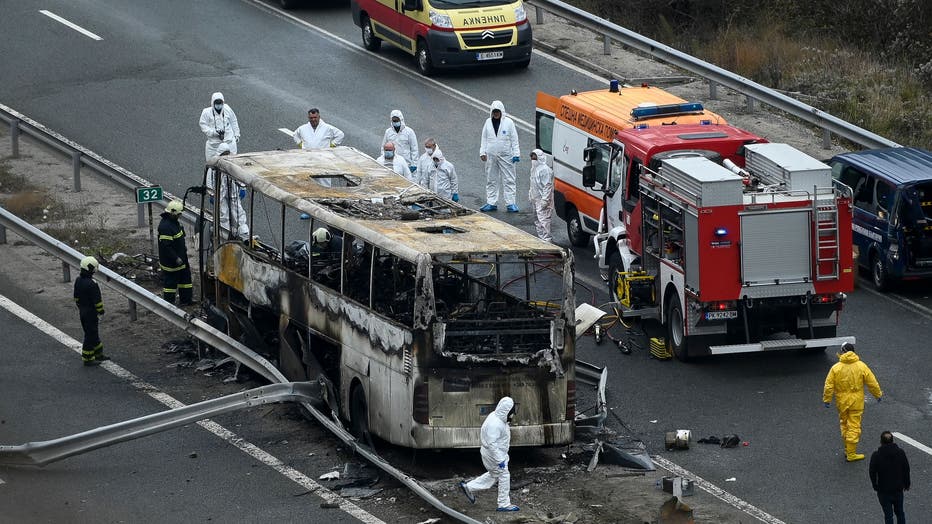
(101, 220)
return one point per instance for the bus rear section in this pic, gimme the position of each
(567, 124)
(501, 330)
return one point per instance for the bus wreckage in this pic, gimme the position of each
(417, 313)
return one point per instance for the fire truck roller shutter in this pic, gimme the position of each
(775, 247)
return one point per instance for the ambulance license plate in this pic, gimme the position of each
(721, 315)
(490, 55)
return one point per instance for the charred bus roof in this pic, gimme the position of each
(374, 203)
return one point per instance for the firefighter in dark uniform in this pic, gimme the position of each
(173, 256)
(90, 307)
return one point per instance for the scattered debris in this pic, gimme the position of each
(193, 455)
(359, 493)
(712, 439)
(732, 479)
(675, 512)
(429, 521)
(630, 454)
(678, 439)
(730, 441)
(677, 486)
(333, 475)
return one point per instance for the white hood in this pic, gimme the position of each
(497, 104)
(216, 96)
(401, 117)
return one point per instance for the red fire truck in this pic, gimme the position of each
(727, 259)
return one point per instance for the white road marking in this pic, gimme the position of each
(718, 492)
(226, 435)
(914, 443)
(70, 24)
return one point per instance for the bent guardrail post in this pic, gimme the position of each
(48, 451)
(714, 73)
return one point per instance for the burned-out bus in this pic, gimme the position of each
(415, 314)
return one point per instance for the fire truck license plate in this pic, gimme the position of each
(721, 315)
(490, 55)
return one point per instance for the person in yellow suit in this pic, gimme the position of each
(846, 381)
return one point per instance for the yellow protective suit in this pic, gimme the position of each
(846, 382)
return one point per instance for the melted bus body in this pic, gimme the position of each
(420, 316)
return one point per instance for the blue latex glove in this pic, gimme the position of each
(502, 464)
(880, 399)
(242, 193)
(413, 168)
(827, 404)
(515, 159)
(456, 197)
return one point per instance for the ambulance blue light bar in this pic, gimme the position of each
(669, 109)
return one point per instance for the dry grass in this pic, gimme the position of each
(888, 99)
(10, 182)
(31, 206)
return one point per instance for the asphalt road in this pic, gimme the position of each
(135, 97)
(182, 475)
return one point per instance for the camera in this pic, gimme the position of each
(220, 134)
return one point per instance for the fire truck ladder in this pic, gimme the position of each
(827, 251)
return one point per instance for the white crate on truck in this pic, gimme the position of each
(784, 164)
(703, 181)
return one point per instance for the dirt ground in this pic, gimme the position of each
(101, 220)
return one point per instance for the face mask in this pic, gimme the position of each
(389, 154)
(218, 107)
(396, 125)
(430, 151)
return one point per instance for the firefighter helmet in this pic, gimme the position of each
(89, 264)
(321, 236)
(175, 207)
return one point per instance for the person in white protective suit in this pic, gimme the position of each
(403, 137)
(230, 195)
(541, 194)
(443, 179)
(317, 134)
(425, 162)
(219, 123)
(496, 439)
(393, 161)
(499, 149)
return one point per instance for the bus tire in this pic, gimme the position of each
(879, 275)
(676, 333)
(359, 413)
(369, 40)
(423, 59)
(574, 230)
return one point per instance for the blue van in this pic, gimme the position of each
(892, 193)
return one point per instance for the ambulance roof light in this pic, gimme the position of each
(641, 126)
(668, 109)
(705, 122)
(613, 86)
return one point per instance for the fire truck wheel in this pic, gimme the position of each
(676, 337)
(574, 230)
(879, 273)
(614, 266)
(369, 40)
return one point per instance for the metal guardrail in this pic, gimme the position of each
(714, 74)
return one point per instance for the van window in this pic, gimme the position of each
(849, 176)
(864, 194)
(601, 167)
(457, 4)
(885, 194)
(545, 132)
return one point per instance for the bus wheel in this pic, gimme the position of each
(879, 273)
(422, 57)
(676, 338)
(359, 414)
(574, 230)
(369, 40)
